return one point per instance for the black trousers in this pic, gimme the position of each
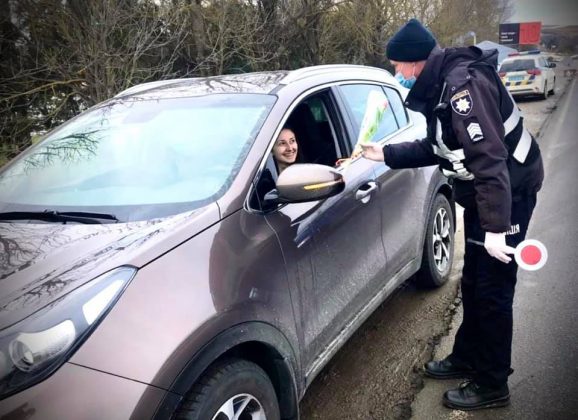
(484, 338)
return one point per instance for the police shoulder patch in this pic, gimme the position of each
(462, 103)
(474, 129)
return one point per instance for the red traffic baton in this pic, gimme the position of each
(531, 255)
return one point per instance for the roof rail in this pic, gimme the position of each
(531, 52)
(148, 85)
(316, 70)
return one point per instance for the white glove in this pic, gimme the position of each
(495, 244)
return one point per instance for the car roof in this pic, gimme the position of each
(256, 83)
(339, 72)
(523, 57)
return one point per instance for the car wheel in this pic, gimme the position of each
(552, 91)
(231, 389)
(544, 94)
(438, 252)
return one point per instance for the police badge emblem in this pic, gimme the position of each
(462, 103)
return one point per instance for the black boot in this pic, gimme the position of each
(448, 368)
(473, 396)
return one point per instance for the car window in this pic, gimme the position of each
(356, 96)
(397, 106)
(518, 65)
(315, 131)
(266, 183)
(318, 109)
(316, 135)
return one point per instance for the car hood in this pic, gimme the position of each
(40, 263)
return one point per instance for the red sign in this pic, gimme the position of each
(530, 32)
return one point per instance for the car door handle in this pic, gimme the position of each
(363, 193)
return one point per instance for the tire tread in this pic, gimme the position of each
(424, 276)
(194, 399)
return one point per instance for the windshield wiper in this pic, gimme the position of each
(57, 216)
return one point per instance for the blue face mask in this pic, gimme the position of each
(407, 83)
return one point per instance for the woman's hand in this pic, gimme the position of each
(372, 151)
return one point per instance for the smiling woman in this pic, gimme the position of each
(285, 149)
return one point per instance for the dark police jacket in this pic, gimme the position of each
(475, 134)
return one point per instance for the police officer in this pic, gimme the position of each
(476, 135)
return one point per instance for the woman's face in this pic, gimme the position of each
(285, 148)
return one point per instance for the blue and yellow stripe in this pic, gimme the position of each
(521, 82)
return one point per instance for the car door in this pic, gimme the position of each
(545, 71)
(333, 247)
(401, 194)
(549, 72)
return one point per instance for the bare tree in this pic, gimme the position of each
(67, 56)
(451, 19)
(58, 57)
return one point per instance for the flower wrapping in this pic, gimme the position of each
(374, 110)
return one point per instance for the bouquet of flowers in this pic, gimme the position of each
(374, 110)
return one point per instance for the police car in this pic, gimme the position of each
(528, 73)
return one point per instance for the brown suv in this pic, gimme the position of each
(154, 264)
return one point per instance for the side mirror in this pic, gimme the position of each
(302, 182)
(552, 65)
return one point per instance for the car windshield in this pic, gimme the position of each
(518, 65)
(138, 159)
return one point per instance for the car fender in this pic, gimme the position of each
(440, 182)
(227, 340)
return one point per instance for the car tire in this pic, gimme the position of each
(544, 94)
(552, 91)
(438, 250)
(225, 387)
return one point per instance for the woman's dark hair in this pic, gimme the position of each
(288, 127)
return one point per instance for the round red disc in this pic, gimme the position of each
(531, 254)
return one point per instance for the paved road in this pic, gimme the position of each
(546, 352)
(545, 356)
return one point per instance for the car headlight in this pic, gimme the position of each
(35, 347)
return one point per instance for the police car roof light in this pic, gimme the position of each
(531, 52)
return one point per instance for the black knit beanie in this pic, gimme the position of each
(412, 42)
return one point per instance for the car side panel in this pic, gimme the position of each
(231, 273)
(404, 201)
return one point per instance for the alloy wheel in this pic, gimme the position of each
(442, 240)
(241, 407)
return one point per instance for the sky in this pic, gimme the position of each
(549, 12)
